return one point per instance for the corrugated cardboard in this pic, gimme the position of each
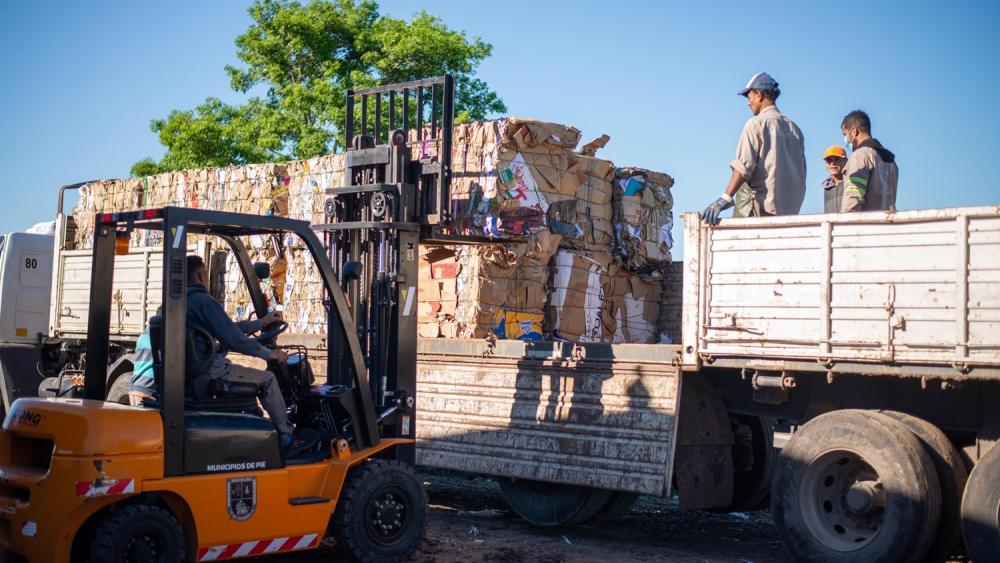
(531, 135)
(635, 305)
(643, 218)
(577, 304)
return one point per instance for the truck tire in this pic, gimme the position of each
(855, 485)
(381, 512)
(981, 509)
(119, 389)
(751, 487)
(552, 504)
(138, 532)
(617, 507)
(952, 475)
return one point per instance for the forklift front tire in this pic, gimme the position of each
(138, 533)
(381, 513)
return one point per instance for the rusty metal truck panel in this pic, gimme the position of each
(917, 288)
(135, 295)
(596, 415)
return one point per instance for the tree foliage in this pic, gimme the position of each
(300, 61)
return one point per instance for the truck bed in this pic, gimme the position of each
(137, 291)
(914, 288)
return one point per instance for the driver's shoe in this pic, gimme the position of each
(299, 442)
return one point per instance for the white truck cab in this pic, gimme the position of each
(25, 287)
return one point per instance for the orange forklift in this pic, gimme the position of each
(200, 476)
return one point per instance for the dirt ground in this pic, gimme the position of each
(469, 522)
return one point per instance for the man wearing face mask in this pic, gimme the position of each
(835, 157)
(769, 171)
(871, 174)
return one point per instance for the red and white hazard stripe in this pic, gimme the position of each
(102, 487)
(259, 547)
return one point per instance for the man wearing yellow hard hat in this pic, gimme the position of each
(835, 157)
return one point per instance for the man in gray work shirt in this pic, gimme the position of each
(872, 174)
(769, 171)
(207, 315)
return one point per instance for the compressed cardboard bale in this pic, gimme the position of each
(525, 271)
(578, 308)
(501, 288)
(474, 203)
(437, 297)
(585, 222)
(529, 184)
(507, 172)
(643, 213)
(635, 306)
(541, 137)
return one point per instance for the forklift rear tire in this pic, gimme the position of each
(381, 513)
(140, 533)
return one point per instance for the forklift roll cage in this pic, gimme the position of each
(176, 223)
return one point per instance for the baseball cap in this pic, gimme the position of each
(759, 81)
(834, 150)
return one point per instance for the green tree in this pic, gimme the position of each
(305, 57)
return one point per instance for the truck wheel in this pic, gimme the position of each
(381, 512)
(552, 504)
(754, 444)
(981, 509)
(119, 389)
(855, 485)
(138, 533)
(952, 475)
(617, 506)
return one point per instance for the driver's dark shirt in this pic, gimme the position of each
(205, 313)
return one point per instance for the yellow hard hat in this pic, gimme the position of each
(834, 150)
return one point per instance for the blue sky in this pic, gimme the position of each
(83, 79)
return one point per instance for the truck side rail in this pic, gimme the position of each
(896, 293)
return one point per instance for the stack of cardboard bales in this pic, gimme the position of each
(507, 173)
(293, 189)
(473, 291)
(580, 245)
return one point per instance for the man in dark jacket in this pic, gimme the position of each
(872, 174)
(204, 313)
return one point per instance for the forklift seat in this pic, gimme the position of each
(204, 393)
(207, 394)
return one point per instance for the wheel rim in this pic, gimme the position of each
(842, 500)
(145, 546)
(387, 516)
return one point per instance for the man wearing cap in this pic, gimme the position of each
(769, 171)
(871, 174)
(835, 157)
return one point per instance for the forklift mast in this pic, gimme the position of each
(395, 193)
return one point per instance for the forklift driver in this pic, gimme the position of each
(205, 314)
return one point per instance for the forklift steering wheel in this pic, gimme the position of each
(268, 335)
